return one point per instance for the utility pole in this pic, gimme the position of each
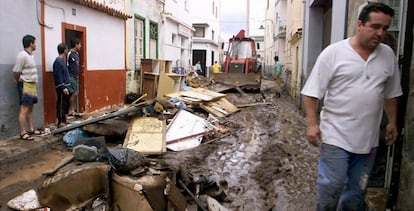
(247, 17)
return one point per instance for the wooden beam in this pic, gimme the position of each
(120, 112)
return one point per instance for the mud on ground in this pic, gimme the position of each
(266, 162)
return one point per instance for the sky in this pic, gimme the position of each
(234, 17)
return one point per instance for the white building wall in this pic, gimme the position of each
(208, 12)
(176, 22)
(98, 38)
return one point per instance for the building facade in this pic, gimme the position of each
(275, 34)
(11, 39)
(206, 23)
(53, 22)
(293, 48)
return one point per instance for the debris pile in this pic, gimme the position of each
(116, 161)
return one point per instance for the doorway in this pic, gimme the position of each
(200, 55)
(78, 32)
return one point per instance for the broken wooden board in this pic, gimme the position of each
(165, 85)
(146, 135)
(219, 108)
(253, 104)
(202, 94)
(187, 100)
(120, 112)
(208, 92)
(186, 131)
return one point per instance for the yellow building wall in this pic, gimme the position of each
(294, 25)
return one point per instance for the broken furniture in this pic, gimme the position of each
(158, 78)
(75, 186)
(146, 135)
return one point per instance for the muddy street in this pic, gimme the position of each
(265, 163)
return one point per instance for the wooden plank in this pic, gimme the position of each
(220, 108)
(197, 94)
(146, 135)
(211, 110)
(192, 94)
(225, 105)
(208, 92)
(108, 116)
(252, 104)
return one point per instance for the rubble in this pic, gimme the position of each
(187, 127)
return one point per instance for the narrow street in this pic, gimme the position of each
(264, 164)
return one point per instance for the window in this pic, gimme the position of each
(153, 45)
(212, 34)
(213, 8)
(153, 31)
(186, 5)
(139, 41)
(173, 37)
(199, 31)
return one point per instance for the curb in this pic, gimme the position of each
(14, 149)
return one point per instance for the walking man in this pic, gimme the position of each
(25, 78)
(358, 77)
(63, 87)
(73, 66)
(278, 75)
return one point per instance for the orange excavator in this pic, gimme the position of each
(240, 65)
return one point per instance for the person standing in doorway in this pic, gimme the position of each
(198, 68)
(216, 67)
(63, 87)
(278, 75)
(358, 77)
(73, 66)
(26, 78)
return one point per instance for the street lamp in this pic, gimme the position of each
(261, 26)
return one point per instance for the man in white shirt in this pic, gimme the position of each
(25, 76)
(358, 77)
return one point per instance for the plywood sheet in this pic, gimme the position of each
(165, 85)
(186, 131)
(146, 135)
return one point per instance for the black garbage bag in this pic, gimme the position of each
(124, 160)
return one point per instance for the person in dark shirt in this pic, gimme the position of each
(73, 67)
(63, 87)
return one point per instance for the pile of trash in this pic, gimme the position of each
(116, 163)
